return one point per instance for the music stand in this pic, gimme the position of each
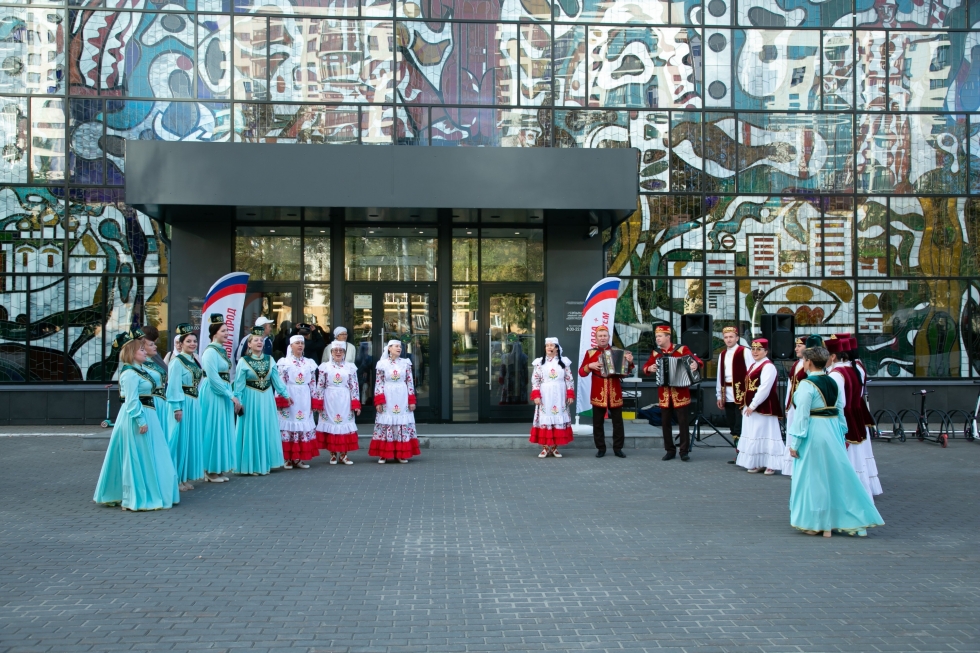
(701, 417)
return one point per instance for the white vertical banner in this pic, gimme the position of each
(599, 310)
(227, 297)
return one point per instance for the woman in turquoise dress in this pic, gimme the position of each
(218, 405)
(159, 374)
(183, 386)
(137, 472)
(826, 494)
(257, 432)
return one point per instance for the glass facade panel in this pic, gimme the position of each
(644, 67)
(466, 258)
(32, 50)
(269, 254)
(513, 342)
(511, 255)
(391, 254)
(841, 140)
(316, 309)
(13, 139)
(316, 254)
(47, 140)
(777, 69)
(466, 353)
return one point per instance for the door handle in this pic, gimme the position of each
(489, 359)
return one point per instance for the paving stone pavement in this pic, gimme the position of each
(485, 551)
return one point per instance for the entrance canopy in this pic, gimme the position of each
(161, 174)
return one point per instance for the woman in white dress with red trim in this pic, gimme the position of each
(335, 398)
(552, 390)
(394, 401)
(296, 413)
(761, 445)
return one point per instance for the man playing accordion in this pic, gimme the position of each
(607, 395)
(673, 401)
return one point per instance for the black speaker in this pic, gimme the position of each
(780, 330)
(696, 329)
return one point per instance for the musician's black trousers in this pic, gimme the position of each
(683, 415)
(734, 416)
(599, 433)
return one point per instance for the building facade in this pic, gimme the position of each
(814, 158)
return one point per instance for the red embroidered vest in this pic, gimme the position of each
(738, 373)
(794, 382)
(856, 411)
(770, 405)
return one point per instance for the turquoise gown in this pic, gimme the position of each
(159, 375)
(218, 422)
(257, 432)
(185, 436)
(137, 472)
(826, 493)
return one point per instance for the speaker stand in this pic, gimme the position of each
(701, 417)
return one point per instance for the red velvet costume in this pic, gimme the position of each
(738, 373)
(674, 397)
(799, 374)
(607, 392)
(856, 410)
(770, 405)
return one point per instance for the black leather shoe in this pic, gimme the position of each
(685, 457)
(600, 453)
(668, 456)
(731, 462)
(619, 453)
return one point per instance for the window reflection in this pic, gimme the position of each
(512, 255)
(268, 253)
(392, 254)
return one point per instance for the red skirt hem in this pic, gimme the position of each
(388, 450)
(300, 450)
(551, 437)
(337, 442)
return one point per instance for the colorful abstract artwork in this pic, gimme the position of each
(795, 156)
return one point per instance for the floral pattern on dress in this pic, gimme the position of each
(552, 385)
(394, 426)
(296, 420)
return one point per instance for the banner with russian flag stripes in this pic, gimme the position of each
(227, 297)
(599, 310)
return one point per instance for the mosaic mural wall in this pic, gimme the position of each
(818, 158)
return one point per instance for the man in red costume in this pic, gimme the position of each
(673, 400)
(607, 394)
(733, 364)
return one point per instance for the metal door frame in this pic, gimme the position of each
(490, 412)
(377, 289)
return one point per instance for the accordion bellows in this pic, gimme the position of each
(612, 362)
(676, 372)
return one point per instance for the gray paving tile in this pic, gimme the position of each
(486, 551)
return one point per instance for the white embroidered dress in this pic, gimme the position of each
(554, 386)
(336, 397)
(296, 420)
(394, 424)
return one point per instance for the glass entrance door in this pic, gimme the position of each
(396, 312)
(281, 303)
(513, 324)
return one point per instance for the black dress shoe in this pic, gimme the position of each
(731, 462)
(668, 456)
(600, 453)
(619, 453)
(685, 457)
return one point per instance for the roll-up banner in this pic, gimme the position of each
(227, 297)
(599, 310)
